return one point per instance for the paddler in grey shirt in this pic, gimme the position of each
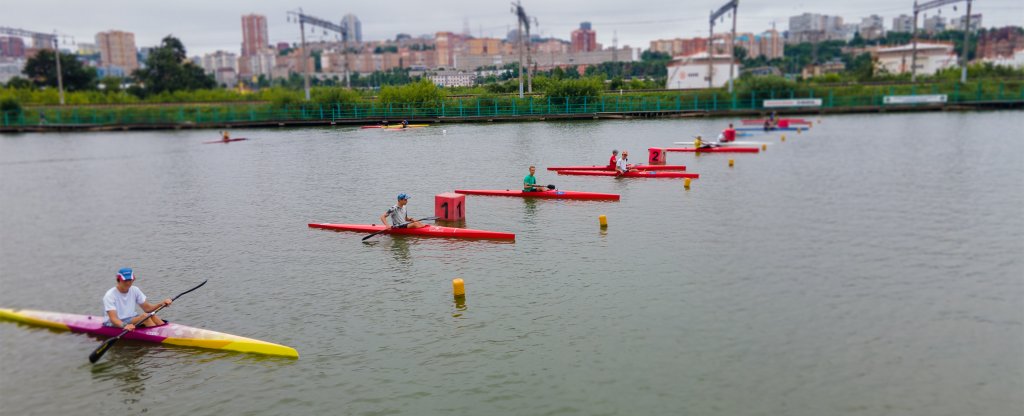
(398, 215)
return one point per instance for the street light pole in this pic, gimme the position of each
(60, 77)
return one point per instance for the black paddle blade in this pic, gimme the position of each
(551, 186)
(95, 356)
(375, 233)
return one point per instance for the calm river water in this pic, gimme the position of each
(871, 266)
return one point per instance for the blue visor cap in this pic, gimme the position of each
(125, 274)
(403, 196)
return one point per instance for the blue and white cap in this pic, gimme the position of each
(402, 196)
(125, 274)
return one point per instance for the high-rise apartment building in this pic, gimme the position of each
(12, 47)
(484, 46)
(902, 24)
(254, 34)
(212, 62)
(872, 27)
(934, 24)
(813, 27)
(117, 51)
(351, 29)
(680, 47)
(958, 23)
(768, 44)
(584, 39)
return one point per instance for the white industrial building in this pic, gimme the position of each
(689, 72)
(931, 57)
(453, 79)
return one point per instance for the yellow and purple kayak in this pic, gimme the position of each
(170, 333)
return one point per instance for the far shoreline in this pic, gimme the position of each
(659, 114)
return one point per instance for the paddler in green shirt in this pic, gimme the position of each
(530, 182)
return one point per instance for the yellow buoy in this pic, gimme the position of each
(686, 183)
(764, 146)
(783, 137)
(732, 162)
(603, 220)
(458, 287)
(798, 130)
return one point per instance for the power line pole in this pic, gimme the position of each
(967, 37)
(60, 77)
(524, 21)
(47, 38)
(730, 6)
(303, 19)
(967, 32)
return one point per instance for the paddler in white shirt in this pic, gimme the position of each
(623, 164)
(119, 304)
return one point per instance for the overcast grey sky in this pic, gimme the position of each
(209, 25)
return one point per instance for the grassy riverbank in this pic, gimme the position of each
(334, 106)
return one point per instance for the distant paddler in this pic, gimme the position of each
(699, 143)
(225, 136)
(728, 135)
(614, 160)
(530, 182)
(622, 166)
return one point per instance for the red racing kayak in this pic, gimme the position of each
(606, 167)
(631, 174)
(227, 141)
(428, 231)
(714, 149)
(780, 121)
(548, 194)
(394, 126)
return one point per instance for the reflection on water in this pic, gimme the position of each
(460, 306)
(400, 250)
(529, 210)
(123, 366)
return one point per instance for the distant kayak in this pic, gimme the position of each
(728, 144)
(606, 167)
(781, 121)
(227, 141)
(631, 173)
(771, 129)
(548, 194)
(170, 333)
(714, 149)
(395, 126)
(428, 231)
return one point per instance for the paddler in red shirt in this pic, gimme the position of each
(614, 160)
(729, 134)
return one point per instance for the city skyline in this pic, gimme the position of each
(205, 32)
